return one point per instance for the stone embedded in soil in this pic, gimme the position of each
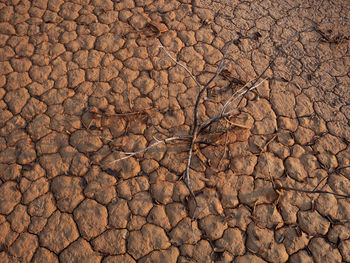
(138, 64)
(262, 242)
(119, 213)
(32, 108)
(53, 165)
(248, 259)
(313, 223)
(141, 204)
(228, 187)
(136, 222)
(256, 192)
(44, 205)
(127, 168)
(213, 226)
(126, 258)
(202, 251)
(173, 119)
(175, 213)
(302, 256)
(128, 188)
(16, 100)
(24, 247)
(339, 183)
(330, 144)
(260, 109)
(303, 106)
(208, 203)
(80, 251)
(8, 236)
(85, 142)
(5, 68)
(111, 242)
(339, 232)
(265, 126)
(36, 189)
(239, 217)
(267, 216)
(244, 164)
(101, 188)
(287, 123)
(59, 232)
(344, 248)
(10, 172)
(327, 204)
(292, 240)
(9, 197)
(19, 218)
(109, 43)
(37, 224)
(182, 233)
(91, 218)
(39, 74)
(39, 126)
(269, 166)
(303, 135)
(158, 217)
(169, 255)
(232, 241)
(295, 169)
(162, 191)
(284, 103)
(149, 238)
(75, 77)
(68, 191)
(43, 255)
(279, 149)
(79, 165)
(322, 251)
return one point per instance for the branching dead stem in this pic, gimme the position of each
(131, 154)
(225, 112)
(178, 63)
(195, 127)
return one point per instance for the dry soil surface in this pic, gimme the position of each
(83, 81)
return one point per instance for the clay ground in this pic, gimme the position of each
(84, 81)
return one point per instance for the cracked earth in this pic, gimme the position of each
(83, 82)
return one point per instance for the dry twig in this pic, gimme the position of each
(131, 154)
(197, 128)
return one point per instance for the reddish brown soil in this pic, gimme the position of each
(82, 82)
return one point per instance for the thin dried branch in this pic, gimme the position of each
(178, 63)
(195, 126)
(224, 114)
(131, 154)
(198, 128)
